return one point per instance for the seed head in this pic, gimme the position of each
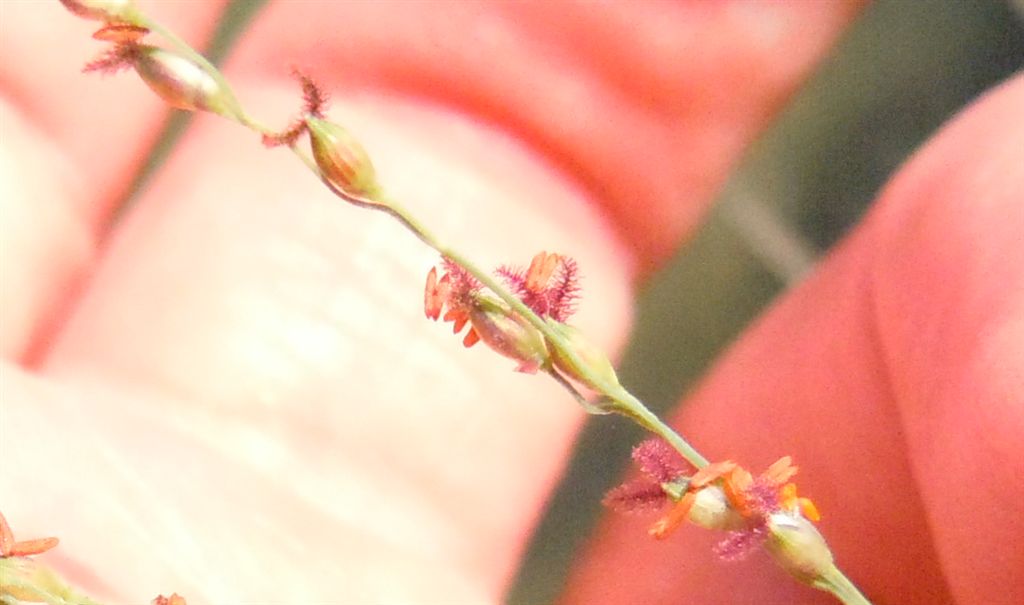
(180, 81)
(342, 161)
(490, 320)
(798, 546)
(508, 334)
(185, 84)
(595, 371)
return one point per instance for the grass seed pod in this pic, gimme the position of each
(184, 83)
(509, 335)
(342, 160)
(797, 545)
(595, 362)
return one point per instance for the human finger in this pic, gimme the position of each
(70, 147)
(176, 330)
(893, 378)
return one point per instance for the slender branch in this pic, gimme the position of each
(628, 405)
(613, 397)
(623, 402)
(835, 581)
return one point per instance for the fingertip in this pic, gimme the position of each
(892, 375)
(71, 145)
(241, 286)
(950, 301)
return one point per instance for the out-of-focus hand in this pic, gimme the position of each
(895, 377)
(231, 393)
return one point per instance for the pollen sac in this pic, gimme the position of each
(712, 510)
(185, 84)
(342, 160)
(120, 33)
(102, 10)
(594, 361)
(509, 335)
(435, 295)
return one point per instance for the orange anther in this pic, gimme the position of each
(472, 337)
(120, 33)
(789, 500)
(6, 537)
(675, 517)
(711, 473)
(781, 471)
(459, 318)
(10, 548)
(809, 509)
(541, 269)
(27, 548)
(435, 294)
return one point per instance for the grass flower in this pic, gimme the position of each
(490, 320)
(756, 511)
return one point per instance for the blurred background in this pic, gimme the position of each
(903, 69)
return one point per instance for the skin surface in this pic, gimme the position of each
(231, 392)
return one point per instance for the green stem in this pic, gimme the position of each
(628, 405)
(615, 398)
(623, 402)
(836, 582)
